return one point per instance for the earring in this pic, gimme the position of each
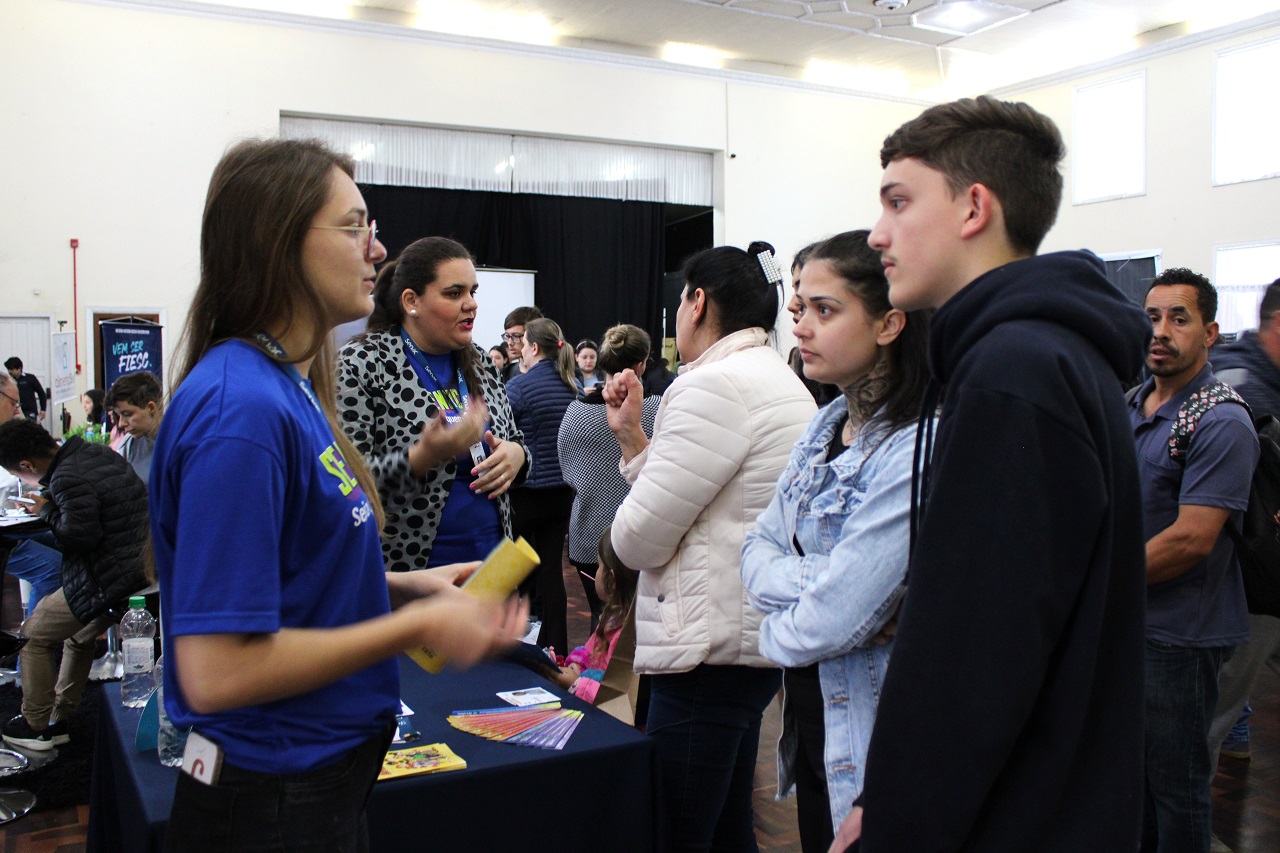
(413, 312)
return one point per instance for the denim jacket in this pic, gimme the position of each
(850, 519)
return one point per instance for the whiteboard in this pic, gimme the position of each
(501, 291)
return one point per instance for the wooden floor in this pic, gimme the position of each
(1246, 793)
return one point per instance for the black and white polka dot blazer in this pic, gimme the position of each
(383, 406)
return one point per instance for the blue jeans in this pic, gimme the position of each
(1181, 694)
(251, 812)
(705, 724)
(37, 565)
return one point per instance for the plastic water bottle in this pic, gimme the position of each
(172, 741)
(138, 642)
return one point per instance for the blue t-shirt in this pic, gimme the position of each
(1205, 606)
(258, 525)
(469, 525)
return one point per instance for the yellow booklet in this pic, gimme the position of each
(499, 575)
(432, 758)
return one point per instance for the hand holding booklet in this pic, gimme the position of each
(499, 575)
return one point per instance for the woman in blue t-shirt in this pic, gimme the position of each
(278, 623)
(428, 411)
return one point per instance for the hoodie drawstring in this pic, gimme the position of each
(923, 453)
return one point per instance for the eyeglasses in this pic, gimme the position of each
(17, 403)
(372, 228)
(513, 337)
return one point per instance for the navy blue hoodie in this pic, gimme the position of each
(1245, 366)
(1011, 717)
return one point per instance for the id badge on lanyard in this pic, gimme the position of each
(419, 364)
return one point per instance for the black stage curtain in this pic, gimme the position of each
(598, 261)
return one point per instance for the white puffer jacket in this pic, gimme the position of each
(723, 435)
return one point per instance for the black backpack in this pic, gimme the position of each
(1258, 545)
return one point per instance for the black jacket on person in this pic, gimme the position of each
(97, 510)
(31, 395)
(1012, 712)
(1245, 366)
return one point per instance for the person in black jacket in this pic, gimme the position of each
(1250, 365)
(1011, 715)
(96, 507)
(34, 398)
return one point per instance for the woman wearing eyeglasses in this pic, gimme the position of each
(278, 628)
(425, 406)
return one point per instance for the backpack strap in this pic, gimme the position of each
(1190, 412)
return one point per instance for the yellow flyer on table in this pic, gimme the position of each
(432, 758)
(499, 575)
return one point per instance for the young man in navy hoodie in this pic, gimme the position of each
(1250, 365)
(1011, 716)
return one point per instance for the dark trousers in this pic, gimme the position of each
(705, 724)
(813, 807)
(541, 516)
(251, 812)
(1181, 694)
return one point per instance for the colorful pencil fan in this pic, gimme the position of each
(546, 726)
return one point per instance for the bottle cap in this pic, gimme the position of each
(137, 601)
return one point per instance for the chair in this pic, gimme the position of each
(14, 802)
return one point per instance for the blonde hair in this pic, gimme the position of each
(624, 346)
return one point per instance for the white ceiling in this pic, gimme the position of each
(847, 44)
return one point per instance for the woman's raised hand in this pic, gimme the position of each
(624, 403)
(440, 441)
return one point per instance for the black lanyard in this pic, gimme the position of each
(272, 346)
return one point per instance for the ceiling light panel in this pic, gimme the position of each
(924, 22)
(966, 17)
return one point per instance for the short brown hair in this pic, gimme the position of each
(136, 389)
(522, 316)
(1007, 147)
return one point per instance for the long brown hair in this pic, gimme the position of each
(415, 269)
(550, 340)
(619, 589)
(262, 199)
(894, 401)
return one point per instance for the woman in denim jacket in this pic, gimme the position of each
(827, 560)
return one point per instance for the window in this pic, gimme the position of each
(1109, 139)
(1246, 113)
(1241, 273)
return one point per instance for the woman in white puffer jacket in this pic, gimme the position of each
(722, 437)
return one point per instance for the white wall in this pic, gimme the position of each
(114, 118)
(1182, 213)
